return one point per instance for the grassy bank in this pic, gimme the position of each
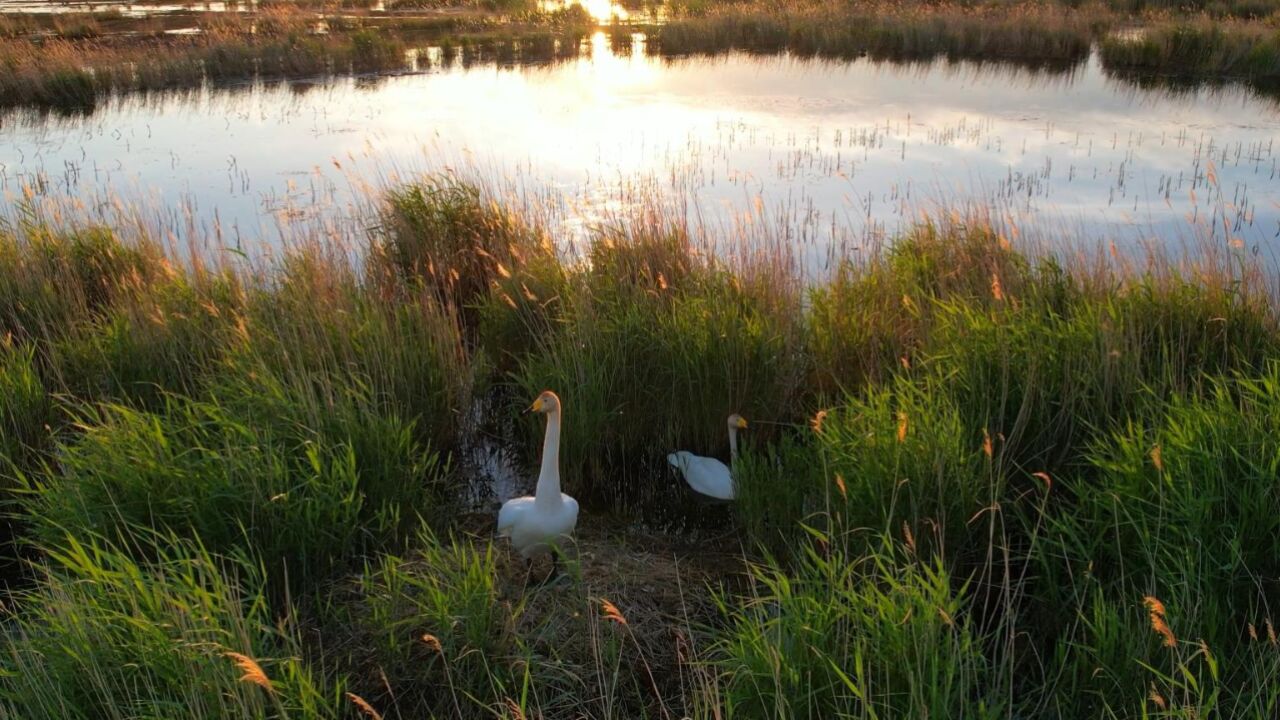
(74, 75)
(72, 61)
(74, 69)
(1041, 34)
(979, 481)
(1192, 41)
(1200, 50)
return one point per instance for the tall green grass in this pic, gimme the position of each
(1183, 509)
(853, 636)
(979, 481)
(449, 236)
(297, 417)
(898, 460)
(26, 414)
(652, 345)
(169, 337)
(27, 409)
(324, 321)
(101, 636)
(435, 625)
(297, 482)
(53, 279)
(1197, 49)
(1030, 33)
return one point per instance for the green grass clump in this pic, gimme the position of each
(871, 319)
(1021, 346)
(446, 233)
(853, 635)
(1036, 34)
(1049, 367)
(652, 347)
(25, 408)
(323, 323)
(1036, 381)
(899, 459)
(1183, 327)
(26, 413)
(100, 636)
(169, 338)
(1183, 509)
(523, 311)
(297, 479)
(434, 625)
(1198, 49)
(50, 280)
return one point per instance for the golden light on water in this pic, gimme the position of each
(602, 11)
(610, 74)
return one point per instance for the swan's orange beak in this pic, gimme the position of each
(536, 406)
(742, 423)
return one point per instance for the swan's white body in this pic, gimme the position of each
(538, 524)
(708, 476)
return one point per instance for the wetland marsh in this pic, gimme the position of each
(988, 293)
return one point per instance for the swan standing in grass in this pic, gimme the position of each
(709, 476)
(538, 525)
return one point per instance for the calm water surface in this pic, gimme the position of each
(832, 151)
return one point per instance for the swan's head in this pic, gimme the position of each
(677, 460)
(737, 422)
(547, 402)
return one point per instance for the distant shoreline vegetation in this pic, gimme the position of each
(979, 481)
(70, 62)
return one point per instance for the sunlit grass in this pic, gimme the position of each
(979, 481)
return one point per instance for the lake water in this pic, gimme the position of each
(832, 153)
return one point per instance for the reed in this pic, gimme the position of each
(74, 75)
(76, 61)
(649, 323)
(101, 635)
(982, 478)
(1200, 49)
(854, 636)
(1040, 33)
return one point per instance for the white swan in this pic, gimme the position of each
(709, 476)
(538, 525)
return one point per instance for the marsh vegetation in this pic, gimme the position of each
(981, 480)
(72, 59)
(990, 471)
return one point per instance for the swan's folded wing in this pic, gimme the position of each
(710, 477)
(571, 507)
(511, 512)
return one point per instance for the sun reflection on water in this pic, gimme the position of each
(602, 11)
(833, 151)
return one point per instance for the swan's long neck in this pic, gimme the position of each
(548, 492)
(733, 445)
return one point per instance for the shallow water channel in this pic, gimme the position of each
(829, 152)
